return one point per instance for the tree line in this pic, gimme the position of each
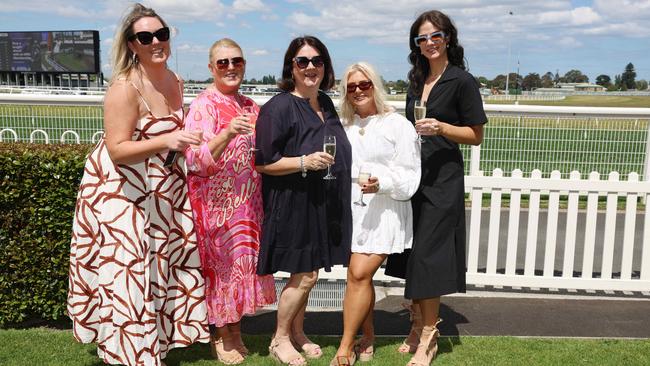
(624, 81)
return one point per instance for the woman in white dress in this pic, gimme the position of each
(385, 145)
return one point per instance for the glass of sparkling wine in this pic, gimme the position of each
(364, 176)
(249, 111)
(329, 146)
(420, 112)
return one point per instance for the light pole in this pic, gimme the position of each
(175, 32)
(508, 62)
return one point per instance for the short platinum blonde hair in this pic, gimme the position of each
(223, 42)
(379, 93)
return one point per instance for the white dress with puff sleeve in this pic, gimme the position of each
(388, 145)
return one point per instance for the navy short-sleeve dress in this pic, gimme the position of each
(307, 221)
(436, 264)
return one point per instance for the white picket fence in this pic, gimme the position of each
(564, 262)
(584, 251)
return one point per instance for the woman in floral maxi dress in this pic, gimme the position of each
(225, 193)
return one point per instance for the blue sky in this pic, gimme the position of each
(593, 36)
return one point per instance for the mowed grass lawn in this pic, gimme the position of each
(41, 346)
(631, 101)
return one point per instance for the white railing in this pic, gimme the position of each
(522, 97)
(517, 137)
(543, 245)
(606, 257)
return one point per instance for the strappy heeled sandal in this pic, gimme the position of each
(409, 345)
(365, 351)
(429, 340)
(232, 357)
(311, 349)
(344, 360)
(294, 359)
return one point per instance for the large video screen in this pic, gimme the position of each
(50, 51)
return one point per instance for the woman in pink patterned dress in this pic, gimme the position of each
(225, 193)
(135, 286)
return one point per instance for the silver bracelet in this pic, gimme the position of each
(303, 169)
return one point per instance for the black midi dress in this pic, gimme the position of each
(307, 221)
(436, 264)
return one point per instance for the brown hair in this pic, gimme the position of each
(287, 83)
(420, 69)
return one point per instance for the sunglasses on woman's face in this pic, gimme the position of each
(435, 38)
(362, 85)
(237, 63)
(146, 38)
(302, 62)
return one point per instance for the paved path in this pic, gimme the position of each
(481, 313)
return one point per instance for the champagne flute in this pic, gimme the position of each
(249, 111)
(420, 112)
(329, 146)
(363, 178)
(198, 133)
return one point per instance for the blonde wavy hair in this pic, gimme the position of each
(122, 61)
(379, 93)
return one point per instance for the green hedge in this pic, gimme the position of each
(38, 188)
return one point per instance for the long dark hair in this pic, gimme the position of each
(420, 69)
(287, 83)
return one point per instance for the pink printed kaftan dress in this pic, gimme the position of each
(226, 200)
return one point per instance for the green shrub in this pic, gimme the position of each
(38, 188)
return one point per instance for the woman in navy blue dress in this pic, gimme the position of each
(307, 219)
(454, 115)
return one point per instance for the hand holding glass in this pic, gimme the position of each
(329, 146)
(249, 111)
(420, 112)
(363, 177)
(198, 133)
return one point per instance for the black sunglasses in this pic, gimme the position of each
(237, 62)
(302, 62)
(363, 85)
(146, 38)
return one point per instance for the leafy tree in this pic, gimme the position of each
(269, 80)
(531, 81)
(604, 80)
(628, 76)
(576, 76)
(483, 80)
(499, 82)
(618, 85)
(547, 80)
(641, 85)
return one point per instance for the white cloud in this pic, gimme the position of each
(260, 52)
(245, 6)
(190, 48)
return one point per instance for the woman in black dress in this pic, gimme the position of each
(454, 115)
(307, 219)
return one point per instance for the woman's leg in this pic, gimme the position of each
(413, 339)
(300, 341)
(235, 332)
(427, 348)
(292, 299)
(359, 294)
